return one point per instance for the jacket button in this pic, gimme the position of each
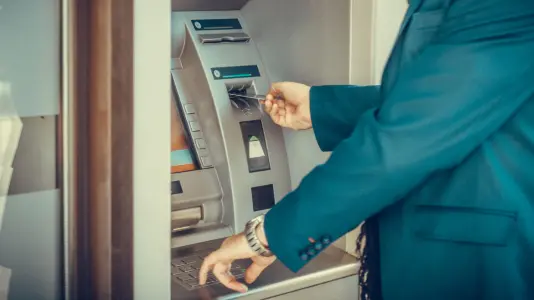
(318, 246)
(325, 240)
(311, 251)
(304, 256)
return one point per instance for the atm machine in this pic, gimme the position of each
(229, 162)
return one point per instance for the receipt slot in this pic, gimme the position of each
(229, 162)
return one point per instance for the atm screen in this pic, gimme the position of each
(181, 155)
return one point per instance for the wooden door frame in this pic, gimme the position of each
(97, 139)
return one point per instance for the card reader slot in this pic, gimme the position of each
(244, 104)
(220, 38)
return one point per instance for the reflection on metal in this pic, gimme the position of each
(184, 219)
(10, 130)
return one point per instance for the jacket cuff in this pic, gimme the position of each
(288, 239)
(323, 118)
(284, 243)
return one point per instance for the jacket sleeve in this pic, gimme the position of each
(445, 103)
(337, 109)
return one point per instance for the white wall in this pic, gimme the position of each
(152, 203)
(387, 17)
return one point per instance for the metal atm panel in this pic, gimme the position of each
(231, 159)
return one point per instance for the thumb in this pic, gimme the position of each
(253, 272)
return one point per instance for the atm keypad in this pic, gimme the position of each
(185, 271)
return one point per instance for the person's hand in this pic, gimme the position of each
(220, 261)
(288, 104)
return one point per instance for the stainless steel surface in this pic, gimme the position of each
(346, 288)
(220, 122)
(203, 5)
(331, 265)
(305, 41)
(185, 218)
(200, 234)
(200, 188)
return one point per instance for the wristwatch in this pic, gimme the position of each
(252, 238)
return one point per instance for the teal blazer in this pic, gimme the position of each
(442, 153)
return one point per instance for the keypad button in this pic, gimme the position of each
(196, 265)
(201, 143)
(184, 277)
(211, 280)
(186, 268)
(190, 259)
(189, 109)
(194, 126)
(206, 161)
(177, 262)
(238, 272)
(203, 152)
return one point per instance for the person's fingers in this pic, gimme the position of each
(281, 103)
(274, 114)
(207, 265)
(268, 106)
(253, 272)
(224, 276)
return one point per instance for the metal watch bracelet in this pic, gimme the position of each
(252, 238)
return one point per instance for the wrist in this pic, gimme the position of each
(256, 237)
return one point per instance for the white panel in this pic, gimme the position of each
(30, 245)
(152, 202)
(35, 161)
(361, 42)
(29, 54)
(305, 41)
(388, 15)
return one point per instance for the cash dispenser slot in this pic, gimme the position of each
(184, 219)
(223, 38)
